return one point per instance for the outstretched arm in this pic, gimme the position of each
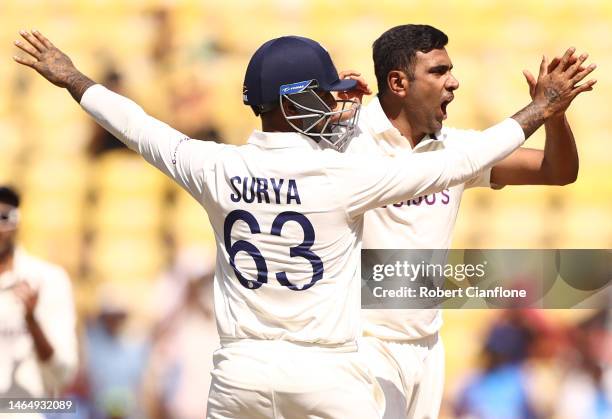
(557, 164)
(162, 146)
(422, 173)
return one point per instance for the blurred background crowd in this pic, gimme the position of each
(139, 250)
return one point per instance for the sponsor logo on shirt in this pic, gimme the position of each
(438, 198)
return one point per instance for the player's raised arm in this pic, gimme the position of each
(161, 145)
(557, 164)
(553, 92)
(413, 175)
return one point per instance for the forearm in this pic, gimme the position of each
(117, 114)
(531, 117)
(491, 146)
(411, 175)
(42, 346)
(560, 161)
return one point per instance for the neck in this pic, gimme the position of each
(273, 127)
(6, 260)
(399, 116)
(274, 121)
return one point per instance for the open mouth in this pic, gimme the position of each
(444, 105)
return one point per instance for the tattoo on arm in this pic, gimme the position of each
(531, 117)
(77, 83)
(552, 95)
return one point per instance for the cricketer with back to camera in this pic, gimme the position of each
(287, 280)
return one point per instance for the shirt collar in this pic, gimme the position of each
(377, 120)
(381, 126)
(272, 140)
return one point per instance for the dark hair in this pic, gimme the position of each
(9, 196)
(396, 49)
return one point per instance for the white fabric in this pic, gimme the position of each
(21, 373)
(331, 190)
(410, 374)
(282, 380)
(426, 222)
(301, 210)
(429, 386)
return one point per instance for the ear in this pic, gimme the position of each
(398, 83)
(289, 108)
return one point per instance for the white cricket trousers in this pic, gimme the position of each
(259, 379)
(410, 373)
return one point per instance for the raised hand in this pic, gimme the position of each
(557, 83)
(51, 63)
(531, 80)
(361, 89)
(554, 90)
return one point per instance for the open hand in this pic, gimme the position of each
(45, 58)
(557, 83)
(531, 80)
(52, 64)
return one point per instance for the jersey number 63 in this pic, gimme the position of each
(302, 250)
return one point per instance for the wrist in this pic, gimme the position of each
(557, 118)
(78, 83)
(542, 108)
(29, 318)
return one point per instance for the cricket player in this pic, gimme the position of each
(287, 214)
(415, 86)
(38, 345)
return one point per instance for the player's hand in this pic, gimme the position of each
(28, 296)
(355, 95)
(555, 90)
(361, 89)
(45, 58)
(531, 80)
(52, 64)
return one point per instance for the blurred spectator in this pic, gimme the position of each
(166, 52)
(186, 337)
(586, 391)
(500, 390)
(102, 141)
(191, 104)
(163, 36)
(115, 364)
(38, 349)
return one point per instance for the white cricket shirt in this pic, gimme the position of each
(287, 215)
(425, 222)
(22, 374)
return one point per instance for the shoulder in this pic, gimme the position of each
(46, 272)
(349, 162)
(449, 135)
(361, 142)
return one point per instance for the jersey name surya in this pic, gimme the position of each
(251, 189)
